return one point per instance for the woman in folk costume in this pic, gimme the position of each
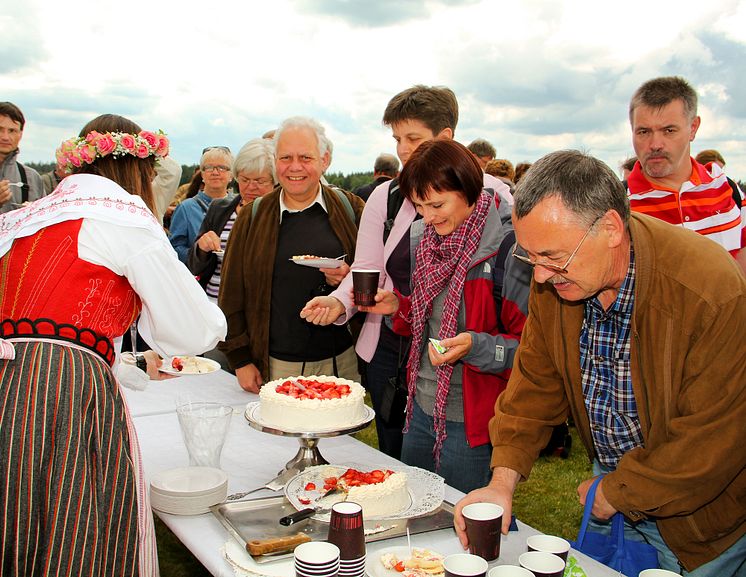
(468, 293)
(76, 268)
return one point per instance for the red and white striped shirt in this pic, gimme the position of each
(704, 204)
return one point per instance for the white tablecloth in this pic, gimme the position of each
(252, 458)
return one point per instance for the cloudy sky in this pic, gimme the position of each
(531, 76)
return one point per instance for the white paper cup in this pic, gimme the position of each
(316, 553)
(542, 564)
(464, 565)
(509, 571)
(549, 544)
(484, 529)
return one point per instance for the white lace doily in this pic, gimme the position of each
(244, 566)
(426, 489)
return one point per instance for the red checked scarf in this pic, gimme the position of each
(442, 261)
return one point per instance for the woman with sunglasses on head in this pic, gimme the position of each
(215, 168)
(468, 294)
(254, 168)
(77, 267)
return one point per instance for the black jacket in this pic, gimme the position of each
(203, 264)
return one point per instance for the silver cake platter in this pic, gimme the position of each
(308, 454)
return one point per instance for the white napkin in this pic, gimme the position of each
(244, 566)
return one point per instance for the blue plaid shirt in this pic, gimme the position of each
(606, 375)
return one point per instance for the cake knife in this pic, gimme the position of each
(302, 514)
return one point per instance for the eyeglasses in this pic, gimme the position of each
(553, 267)
(209, 148)
(219, 167)
(257, 181)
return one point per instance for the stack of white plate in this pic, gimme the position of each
(188, 490)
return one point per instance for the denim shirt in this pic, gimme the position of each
(186, 222)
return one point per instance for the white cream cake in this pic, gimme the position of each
(315, 403)
(381, 492)
(382, 499)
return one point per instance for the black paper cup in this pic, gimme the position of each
(365, 286)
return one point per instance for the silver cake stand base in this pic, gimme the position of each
(308, 454)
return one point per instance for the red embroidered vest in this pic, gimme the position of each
(47, 290)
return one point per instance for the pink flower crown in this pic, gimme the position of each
(73, 153)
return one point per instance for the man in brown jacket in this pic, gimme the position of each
(262, 289)
(637, 329)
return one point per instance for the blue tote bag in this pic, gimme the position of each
(629, 557)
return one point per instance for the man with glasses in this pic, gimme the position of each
(628, 321)
(215, 166)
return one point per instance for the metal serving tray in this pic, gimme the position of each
(259, 519)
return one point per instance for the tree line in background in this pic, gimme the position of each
(346, 181)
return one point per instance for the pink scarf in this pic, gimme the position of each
(442, 261)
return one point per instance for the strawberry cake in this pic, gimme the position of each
(310, 404)
(381, 493)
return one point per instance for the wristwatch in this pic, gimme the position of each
(141, 363)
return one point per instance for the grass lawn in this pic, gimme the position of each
(547, 501)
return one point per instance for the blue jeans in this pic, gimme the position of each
(380, 369)
(463, 467)
(730, 563)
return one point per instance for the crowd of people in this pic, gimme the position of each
(556, 290)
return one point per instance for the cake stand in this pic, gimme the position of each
(308, 454)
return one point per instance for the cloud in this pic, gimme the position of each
(376, 14)
(531, 76)
(21, 46)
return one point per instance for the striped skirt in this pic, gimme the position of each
(68, 494)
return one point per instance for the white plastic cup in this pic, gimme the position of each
(204, 427)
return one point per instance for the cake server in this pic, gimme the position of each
(275, 484)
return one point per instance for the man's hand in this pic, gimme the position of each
(458, 347)
(5, 193)
(249, 378)
(334, 276)
(499, 491)
(322, 310)
(602, 509)
(209, 242)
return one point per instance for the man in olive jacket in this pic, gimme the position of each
(637, 329)
(262, 289)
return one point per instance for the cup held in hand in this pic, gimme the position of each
(365, 286)
(483, 529)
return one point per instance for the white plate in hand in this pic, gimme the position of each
(204, 366)
(318, 262)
